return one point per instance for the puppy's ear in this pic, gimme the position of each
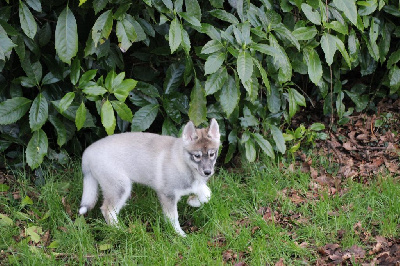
(213, 130)
(189, 133)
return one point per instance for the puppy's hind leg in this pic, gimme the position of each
(115, 197)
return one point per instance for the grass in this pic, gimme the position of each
(257, 216)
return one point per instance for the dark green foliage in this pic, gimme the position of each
(100, 67)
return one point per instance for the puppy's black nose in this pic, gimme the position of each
(207, 172)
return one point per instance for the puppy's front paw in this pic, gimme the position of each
(204, 194)
(194, 201)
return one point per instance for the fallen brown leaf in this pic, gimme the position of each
(348, 146)
(280, 262)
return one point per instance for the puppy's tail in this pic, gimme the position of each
(90, 190)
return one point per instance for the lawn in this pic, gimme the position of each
(259, 214)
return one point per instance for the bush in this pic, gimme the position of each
(72, 73)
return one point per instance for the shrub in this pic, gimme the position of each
(72, 73)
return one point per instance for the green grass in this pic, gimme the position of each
(230, 225)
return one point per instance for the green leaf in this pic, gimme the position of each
(311, 15)
(80, 116)
(185, 41)
(244, 66)
(60, 129)
(217, 3)
(66, 36)
(168, 4)
(317, 127)
(6, 44)
(392, 10)
(35, 5)
(147, 27)
(278, 138)
(193, 9)
(342, 50)
(349, 8)
(314, 65)
(75, 71)
(86, 77)
(225, 16)
(250, 150)
(367, 7)
(295, 99)
(287, 34)
(281, 58)
(66, 101)
(38, 112)
(81, 2)
(147, 89)
(138, 34)
(213, 63)
(113, 80)
(13, 109)
(299, 99)
(231, 150)
(108, 117)
(144, 117)
(122, 90)
(175, 35)
(265, 49)
(168, 128)
(263, 74)
(54, 244)
(94, 90)
(32, 70)
(212, 46)
(121, 11)
(34, 233)
(104, 247)
(37, 149)
(192, 20)
(49, 78)
(4, 220)
(26, 201)
(44, 34)
(171, 109)
(216, 81)
(28, 22)
(338, 26)
(393, 59)
(229, 97)
(122, 110)
(292, 104)
(27, 82)
(305, 33)
(173, 78)
(4, 188)
(198, 104)
(211, 31)
(394, 78)
(274, 100)
(189, 69)
(126, 34)
(264, 145)
(328, 45)
(102, 27)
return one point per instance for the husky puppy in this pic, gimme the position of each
(173, 167)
